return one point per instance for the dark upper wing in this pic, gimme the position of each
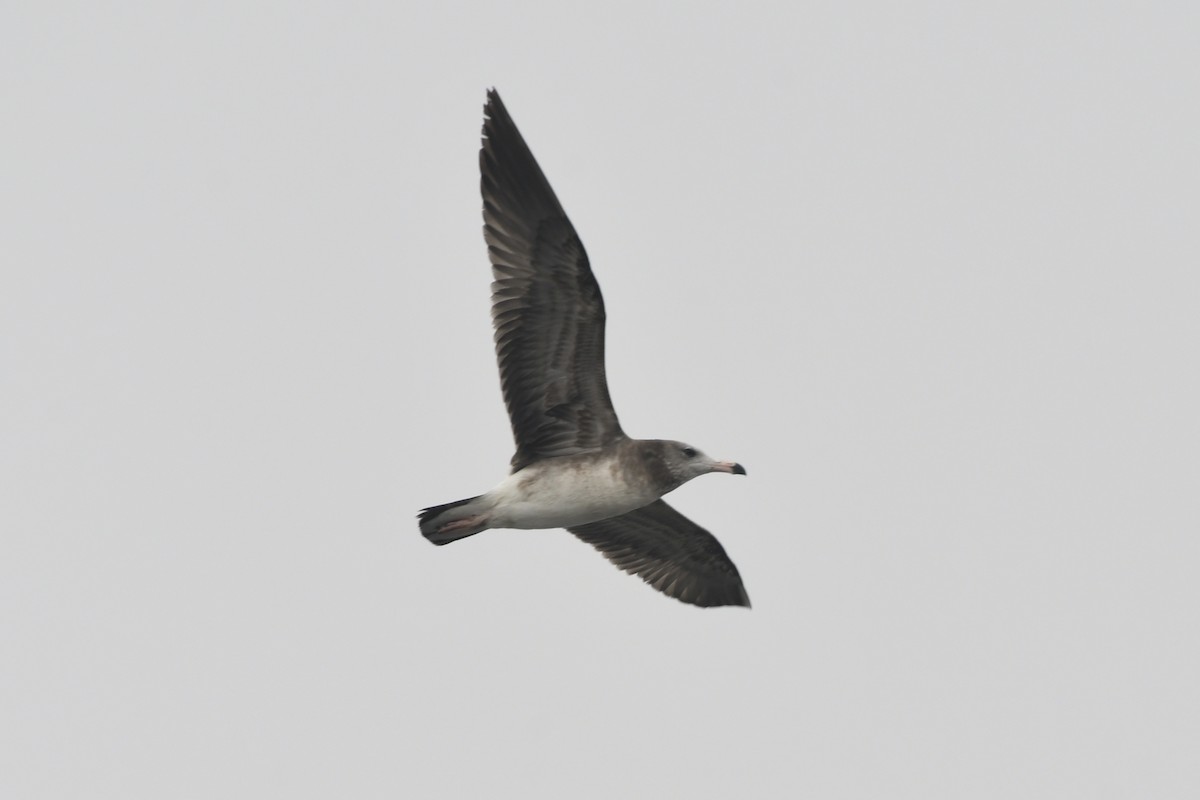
(669, 552)
(546, 305)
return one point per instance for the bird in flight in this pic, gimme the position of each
(574, 467)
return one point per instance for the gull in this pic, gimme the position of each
(574, 467)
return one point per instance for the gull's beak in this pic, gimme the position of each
(731, 467)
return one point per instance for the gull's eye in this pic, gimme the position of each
(689, 452)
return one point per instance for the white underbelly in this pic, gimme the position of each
(563, 497)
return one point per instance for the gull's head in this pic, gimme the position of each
(686, 462)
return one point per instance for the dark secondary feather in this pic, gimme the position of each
(546, 305)
(669, 552)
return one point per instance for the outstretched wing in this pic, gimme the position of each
(671, 553)
(546, 305)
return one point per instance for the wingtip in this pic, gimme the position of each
(493, 102)
(741, 601)
(495, 119)
(705, 600)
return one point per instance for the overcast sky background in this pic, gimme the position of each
(930, 272)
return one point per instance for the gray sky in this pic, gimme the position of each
(929, 272)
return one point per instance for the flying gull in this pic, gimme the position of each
(574, 467)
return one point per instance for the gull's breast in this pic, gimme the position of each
(564, 492)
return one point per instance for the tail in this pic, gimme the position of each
(453, 521)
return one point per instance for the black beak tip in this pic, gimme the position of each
(738, 469)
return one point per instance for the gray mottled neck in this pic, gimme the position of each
(645, 461)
